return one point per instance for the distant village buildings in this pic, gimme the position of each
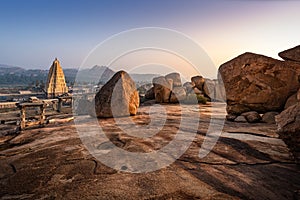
(56, 84)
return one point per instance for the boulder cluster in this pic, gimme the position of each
(256, 88)
(119, 96)
(259, 87)
(169, 89)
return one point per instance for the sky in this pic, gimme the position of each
(34, 32)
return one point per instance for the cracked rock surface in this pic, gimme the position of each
(248, 161)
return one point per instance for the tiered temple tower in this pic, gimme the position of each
(56, 84)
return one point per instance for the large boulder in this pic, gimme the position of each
(188, 87)
(178, 94)
(292, 54)
(269, 117)
(288, 123)
(175, 77)
(118, 97)
(198, 81)
(292, 100)
(162, 89)
(251, 116)
(289, 119)
(258, 83)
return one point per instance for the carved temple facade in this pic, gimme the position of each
(56, 84)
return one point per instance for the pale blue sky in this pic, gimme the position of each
(33, 33)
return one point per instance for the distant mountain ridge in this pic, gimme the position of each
(13, 75)
(92, 74)
(9, 69)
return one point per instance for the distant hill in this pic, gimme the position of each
(12, 75)
(8, 69)
(91, 75)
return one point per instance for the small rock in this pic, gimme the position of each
(240, 119)
(236, 109)
(231, 117)
(252, 116)
(269, 117)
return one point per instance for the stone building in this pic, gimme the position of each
(56, 84)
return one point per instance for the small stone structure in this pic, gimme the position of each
(56, 84)
(23, 106)
(64, 104)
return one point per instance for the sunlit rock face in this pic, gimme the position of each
(288, 123)
(258, 83)
(212, 89)
(198, 82)
(169, 89)
(162, 89)
(175, 77)
(292, 54)
(56, 84)
(117, 98)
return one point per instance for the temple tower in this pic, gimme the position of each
(56, 84)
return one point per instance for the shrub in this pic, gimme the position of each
(201, 99)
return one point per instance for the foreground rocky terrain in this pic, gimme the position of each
(249, 161)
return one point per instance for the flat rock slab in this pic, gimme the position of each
(248, 161)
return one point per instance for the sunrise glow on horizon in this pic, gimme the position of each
(35, 32)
